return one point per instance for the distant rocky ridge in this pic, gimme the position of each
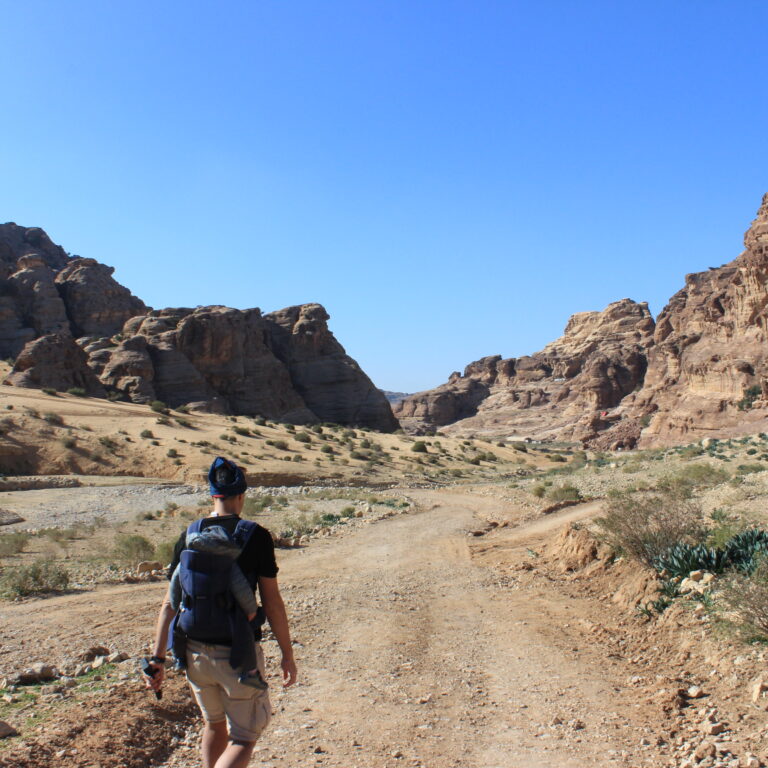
(616, 378)
(394, 397)
(68, 323)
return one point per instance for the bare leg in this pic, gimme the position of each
(214, 743)
(236, 755)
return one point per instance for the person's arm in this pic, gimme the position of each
(274, 607)
(164, 619)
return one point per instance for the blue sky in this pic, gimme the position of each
(450, 179)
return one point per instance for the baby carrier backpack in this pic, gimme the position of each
(209, 611)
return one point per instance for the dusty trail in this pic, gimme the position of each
(410, 653)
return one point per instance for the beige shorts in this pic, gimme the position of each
(221, 695)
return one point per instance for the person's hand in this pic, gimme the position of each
(155, 683)
(288, 665)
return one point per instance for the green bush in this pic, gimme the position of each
(750, 395)
(418, 447)
(38, 578)
(681, 559)
(326, 449)
(77, 392)
(54, 418)
(538, 490)
(686, 480)
(158, 406)
(68, 442)
(558, 457)
(132, 548)
(108, 443)
(564, 493)
(13, 543)
(646, 525)
(303, 437)
(281, 445)
(172, 453)
(147, 434)
(164, 551)
(746, 598)
(50, 391)
(244, 431)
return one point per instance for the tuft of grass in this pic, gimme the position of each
(564, 493)
(13, 543)
(77, 392)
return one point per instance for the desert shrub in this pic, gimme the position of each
(317, 429)
(13, 543)
(644, 526)
(290, 427)
(131, 548)
(77, 392)
(172, 453)
(418, 447)
(748, 469)
(164, 551)
(348, 512)
(303, 437)
(163, 420)
(182, 422)
(244, 431)
(360, 455)
(260, 421)
(158, 406)
(182, 408)
(686, 480)
(37, 578)
(59, 535)
(281, 445)
(50, 391)
(557, 457)
(297, 457)
(745, 599)
(146, 434)
(750, 395)
(108, 443)
(68, 441)
(538, 490)
(326, 449)
(564, 493)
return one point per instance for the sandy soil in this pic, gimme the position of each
(410, 652)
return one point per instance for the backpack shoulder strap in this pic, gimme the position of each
(194, 527)
(243, 532)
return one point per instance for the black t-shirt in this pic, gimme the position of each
(258, 556)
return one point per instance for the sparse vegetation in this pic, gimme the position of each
(37, 578)
(132, 548)
(77, 392)
(13, 543)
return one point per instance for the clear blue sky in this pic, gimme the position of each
(450, 179)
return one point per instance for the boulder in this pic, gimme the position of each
(55, 361)
(147, 566)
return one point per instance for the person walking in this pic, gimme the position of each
(212, 637)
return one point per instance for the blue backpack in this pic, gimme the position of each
(209, 611)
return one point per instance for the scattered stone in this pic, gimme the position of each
(116, 658)
(758, 687)
(696, 575)
(7, 730)
(694, 692)
(713, 729)
(147, 566)
(93, 652)
(705, 749)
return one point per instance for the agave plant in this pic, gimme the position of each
(746, 548)
(681, 559)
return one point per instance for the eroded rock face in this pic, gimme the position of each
(285, 366)
(54, 361)
(97, 305)
(600, 358)
(710, 347)
(331, 383)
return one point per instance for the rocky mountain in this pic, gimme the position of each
(68, 323)
(616, 378)
(598, 361)
(394, 397)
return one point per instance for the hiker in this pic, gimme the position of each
(211, 638)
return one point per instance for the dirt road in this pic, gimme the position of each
(412, 653)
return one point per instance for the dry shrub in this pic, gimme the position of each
(132, 548)
(644, 525)
(38, 578)
(745, 598)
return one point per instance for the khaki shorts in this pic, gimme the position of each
(221, 695)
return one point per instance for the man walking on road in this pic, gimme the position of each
(234, 709)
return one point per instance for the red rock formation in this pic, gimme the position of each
(600, 359)
(710, 347)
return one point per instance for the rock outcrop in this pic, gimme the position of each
(616, 379)
(54, 361)
(44, 291)
(708, 366)
(69, 324)
(599, 360)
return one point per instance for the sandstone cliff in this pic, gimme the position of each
(69, 324)
(708, 365)
(600, 358)
(616, 379)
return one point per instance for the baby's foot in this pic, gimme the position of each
(254, 679)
